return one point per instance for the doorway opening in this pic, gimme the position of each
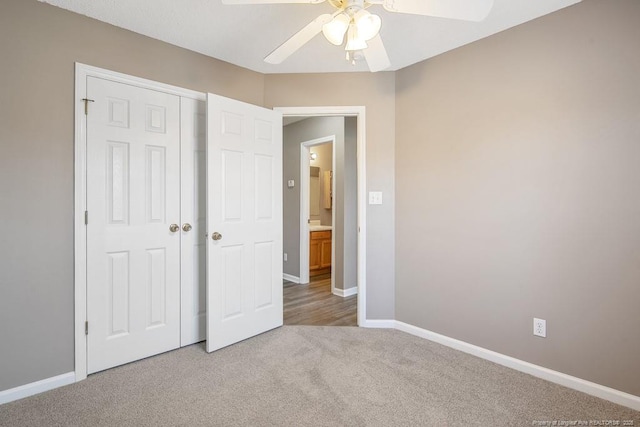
(329, 241)
(318, 209)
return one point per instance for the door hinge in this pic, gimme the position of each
(86, 217)
(86, 105)
(86, 327)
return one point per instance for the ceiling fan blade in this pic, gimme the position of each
(467, 10)
(232, 2)
(298, 40)
(376, 55)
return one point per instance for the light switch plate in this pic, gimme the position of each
(291, 183)
(375, 197)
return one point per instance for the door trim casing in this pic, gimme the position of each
(361, 162)
(82, 72)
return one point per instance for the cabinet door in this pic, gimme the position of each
(325, 253)
(314, 254)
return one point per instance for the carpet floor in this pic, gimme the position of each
(313, 376)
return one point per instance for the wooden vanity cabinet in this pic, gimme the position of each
(319, 252)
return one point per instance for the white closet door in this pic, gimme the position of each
(194, 138)
(133, 197)
(244, 215)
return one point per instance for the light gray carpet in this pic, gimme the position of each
(312, 376)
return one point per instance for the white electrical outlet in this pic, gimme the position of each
(285, 256)
(540, 327)
(375, 197)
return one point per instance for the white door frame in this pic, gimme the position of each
(82, 72)
(305, 153)
(361, 160)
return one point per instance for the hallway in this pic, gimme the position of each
(314, 304)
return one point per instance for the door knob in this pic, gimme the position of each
(216, 236)
(174, 227)
(186, 226)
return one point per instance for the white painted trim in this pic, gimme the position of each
(80, 231)
(305, 166)
(588, 387)
(88, 70)
(362, 214)
(41, 386)
(345, 292)
(334, 210)
(291, 278)
(379, 323)
(359, 113)
(82, 72)
(304, 180)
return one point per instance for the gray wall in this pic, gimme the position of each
(345, 205)
(350, 202)
(39, 44)
(377, 93)
(517, 179)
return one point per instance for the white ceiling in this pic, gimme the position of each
(244, 35)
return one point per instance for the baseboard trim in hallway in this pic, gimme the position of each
(291, 278)
(345, 292)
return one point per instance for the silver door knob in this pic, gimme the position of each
(174, 227)
(186, 227)
(216, 236)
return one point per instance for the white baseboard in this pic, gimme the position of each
(588, 387)
(379, 323)
(30, 389)
(289, 277)
(345, 292)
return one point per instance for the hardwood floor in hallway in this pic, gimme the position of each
(314, 304)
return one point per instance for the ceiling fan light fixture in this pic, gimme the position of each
(335, 30)
(368, 24)
(354, 41)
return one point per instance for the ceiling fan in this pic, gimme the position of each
(361, 28)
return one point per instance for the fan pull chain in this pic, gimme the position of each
(351, 57)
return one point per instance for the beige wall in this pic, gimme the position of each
(517, 179)
(38, 47)
(377, 93)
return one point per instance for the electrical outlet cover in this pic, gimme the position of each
(539, 327)
(375, 197)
